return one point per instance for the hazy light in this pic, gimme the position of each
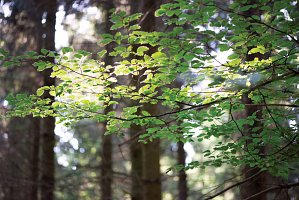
(61, 35)
(189, 151)
(82, 150)
(62, 160)
(5, 103)
(5, 8)
(63, 132)
(74, 142)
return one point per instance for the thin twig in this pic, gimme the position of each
(235, 185)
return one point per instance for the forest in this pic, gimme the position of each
(149, 99)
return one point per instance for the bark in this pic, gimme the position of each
(257, 184)
(145, 158)
(182, 184)
(136, 150)
(136, 165)
(35, 159)
(18, 160)
(48, 123)
(151, 170)
(151, 151)
(261, 182)
(106, 166)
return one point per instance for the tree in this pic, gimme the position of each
(106, 164)
(25, 31)
(199, 34)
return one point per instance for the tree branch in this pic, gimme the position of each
(235, 185)
(285, 186)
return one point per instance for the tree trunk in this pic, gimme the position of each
(265, 179)
(106, 166)
(136, 165)
(151, 151)
(151, 170)
(48, 123)
(136, 151)
(182, 184)
(35, 159)
(145, 158)
(257, 184)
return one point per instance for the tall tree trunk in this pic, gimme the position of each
(182, 184)
(136, 165)
(48, 123)
(35, 159)
(151, 151)
(151, 170)
(257, 184)
(106, 165)
(145, 158)
(136, 151)
(261, 182)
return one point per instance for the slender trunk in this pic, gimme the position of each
(48, 123)
(146, 157)
(257, 184)
(136, 151)
(151, 170)
(106, 166)
(262, 181)
(182, 184)
(136, 165)
(35, 158)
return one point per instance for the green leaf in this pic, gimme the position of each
(141, 50)
(245, 8)
(134, 27)
(158, 55)
(223, 47)
(40, 91)
(259, 49)
(145, 113)
(52, 93)
(102, 53)
(107, 38)
(44, 51)
(160, 12)
(67, 50)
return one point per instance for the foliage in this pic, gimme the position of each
(150, 62)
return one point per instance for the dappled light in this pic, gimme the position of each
(149, 100)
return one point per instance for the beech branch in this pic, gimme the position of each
(278, 187)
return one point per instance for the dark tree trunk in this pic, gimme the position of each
(261, 182)
(151, 171)
(48, 123)
(106, 165)
(257, 184)
(145, 158)
(35, 159)
(136, 165)
(182, 184)
(136, 152)
(151, 151)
